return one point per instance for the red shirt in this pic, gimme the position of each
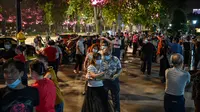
(47, 94)
(20, 57)
(50, 52)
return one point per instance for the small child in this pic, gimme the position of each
(19, 51)
(20, 57)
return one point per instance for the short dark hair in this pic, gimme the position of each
(38, 67)
(104, 43)
(20, 66)
(51, 42)
(7, 42)
(21, 48)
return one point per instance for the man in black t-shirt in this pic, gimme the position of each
(16, 97)
(8, 52)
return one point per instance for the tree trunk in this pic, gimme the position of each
(119, 22)
(49, 30)
(3, 30)
(97, 19)
(130, 28)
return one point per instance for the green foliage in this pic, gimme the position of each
(55, 10)
(80, 9)
(48, 13)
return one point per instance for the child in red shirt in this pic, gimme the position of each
(19, 51)
(20, 57)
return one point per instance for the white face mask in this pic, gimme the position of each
(145, 41)
(7, 46)
(104, 47)
(95, 50)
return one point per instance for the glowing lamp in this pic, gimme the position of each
(194, 22)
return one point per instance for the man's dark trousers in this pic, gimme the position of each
(114, 87)
(147, 61)
(174, 103)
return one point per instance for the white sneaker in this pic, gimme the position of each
(75, 71)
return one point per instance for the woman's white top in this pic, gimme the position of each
(93, 82)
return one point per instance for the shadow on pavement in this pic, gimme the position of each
(72, 92)
(74, 76)
(136, 97)
(157, 109)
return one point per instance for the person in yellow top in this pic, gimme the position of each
(21, 37)
(59, 104)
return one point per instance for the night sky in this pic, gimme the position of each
(192, 4)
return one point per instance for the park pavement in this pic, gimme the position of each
(138, 94)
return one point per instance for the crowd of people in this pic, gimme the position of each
(99, 60)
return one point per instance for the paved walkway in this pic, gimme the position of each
(137, 93)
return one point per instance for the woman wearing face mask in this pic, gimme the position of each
(50, 74)
(46, 88)
(96, 97)
(91, 51)
(16, 97)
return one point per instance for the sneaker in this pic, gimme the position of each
(75, 71)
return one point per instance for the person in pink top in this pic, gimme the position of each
(46, 88)
(135, 43)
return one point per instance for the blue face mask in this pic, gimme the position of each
(107, 57)
(14, 84)
(98, 62)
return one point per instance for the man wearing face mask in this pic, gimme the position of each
(116, 45)
(7, 53)
(147, 55)
(16, 97)
(111, 66)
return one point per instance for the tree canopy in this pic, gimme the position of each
(54, 12)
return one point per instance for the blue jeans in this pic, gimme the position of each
(174, 103)
(59, 107)
(114, 88)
